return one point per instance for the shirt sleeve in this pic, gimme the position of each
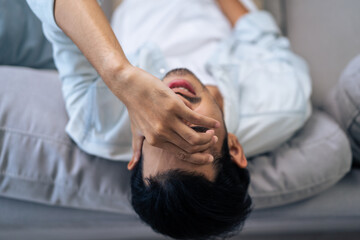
(266, 87)
(98, 121)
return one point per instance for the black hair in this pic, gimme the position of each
(186, 205)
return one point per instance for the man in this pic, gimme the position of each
(254, 85)
(184, 200)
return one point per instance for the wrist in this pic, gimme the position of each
(121, 81)
(114, 64)
(114, 69)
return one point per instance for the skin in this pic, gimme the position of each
(160, 119)
(233, 10)
(157, 160)
(164, 118)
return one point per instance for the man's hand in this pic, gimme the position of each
(157, 114)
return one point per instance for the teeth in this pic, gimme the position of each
(183, 88)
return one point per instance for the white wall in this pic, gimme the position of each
(327, 34)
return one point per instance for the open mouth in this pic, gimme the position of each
(182, 87)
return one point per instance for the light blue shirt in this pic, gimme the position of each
(266, 88)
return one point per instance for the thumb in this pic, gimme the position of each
(137, 142)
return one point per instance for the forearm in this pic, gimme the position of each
(86, 25)
(233, 10)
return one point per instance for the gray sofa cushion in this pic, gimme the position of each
(343, 104)
(315, 158)
(331, 212)
(22, 42)
(38, 161)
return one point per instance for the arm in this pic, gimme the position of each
(155, 114)
(95, 39)
(267, 86)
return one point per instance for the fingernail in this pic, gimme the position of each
(129, 165)
(216, 139)
(217, 124)
(210, 131)
(211, 158)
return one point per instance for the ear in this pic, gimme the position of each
(236, 151)
(132, 163)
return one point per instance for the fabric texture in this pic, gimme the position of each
(322, 213)
(187, 38)
(40, 163)
(316, 158)
(22, 42)
(266, 87)
(343, 104)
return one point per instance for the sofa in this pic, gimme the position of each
(327, 210)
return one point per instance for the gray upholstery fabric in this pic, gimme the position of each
(38, 161)
(335, 211)
(22, 42)
(314, 159)
(343, 104)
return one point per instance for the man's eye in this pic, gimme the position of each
(190, 99)
(200, 129)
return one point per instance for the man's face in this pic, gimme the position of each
(195, 96)
(199, 99)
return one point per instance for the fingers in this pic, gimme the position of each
(198, 158)
(168, 140)
(203, 142)
(181, 135)
(184, 137)
(191, 136)
(199, 141)
(198, 119)
(204, 147)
